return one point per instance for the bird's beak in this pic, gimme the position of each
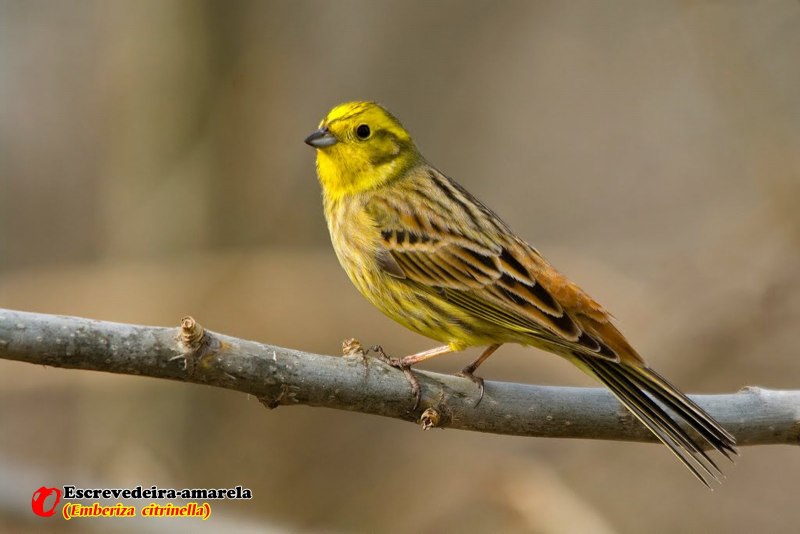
(321, 138)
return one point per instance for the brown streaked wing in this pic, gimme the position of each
(489, 283)
(484, 268)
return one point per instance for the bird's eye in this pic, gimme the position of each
(363, 131)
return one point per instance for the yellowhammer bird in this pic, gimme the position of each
(432, 257)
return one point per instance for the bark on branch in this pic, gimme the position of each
(280, 377)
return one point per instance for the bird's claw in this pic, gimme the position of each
(466, 372)
(406, 368)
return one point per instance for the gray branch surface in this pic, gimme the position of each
(280, 377)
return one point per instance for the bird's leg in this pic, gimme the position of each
(414, 359)
(405, 363)
(467, 372)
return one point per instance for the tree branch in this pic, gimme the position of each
(280, 377)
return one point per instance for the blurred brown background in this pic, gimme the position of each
(152, 166)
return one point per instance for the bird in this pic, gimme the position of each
(431, 256)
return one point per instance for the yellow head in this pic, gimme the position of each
(360, 146)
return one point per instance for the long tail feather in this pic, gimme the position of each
(637, 387)
(696, 417)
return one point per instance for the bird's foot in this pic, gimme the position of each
(400, 363)
(467, 372)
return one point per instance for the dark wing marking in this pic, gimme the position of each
(389, 264)
(490, 284)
